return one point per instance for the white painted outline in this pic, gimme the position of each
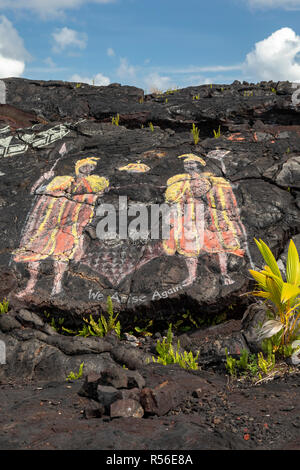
(2, 92)
(296, 94)
(2, 353)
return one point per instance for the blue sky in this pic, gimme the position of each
(157, 44)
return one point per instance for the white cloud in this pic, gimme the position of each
(66, 37)
(47, 8)
(110, 52)
(11, 67)
(13, 54)
(155, 81)
(275, 58)
(11, 44)
(48, 61)
(126, 71)
(201, 69)
(283, 4)
(98, 80)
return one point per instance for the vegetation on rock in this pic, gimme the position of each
(76, 376)
(4, 306)
(283, 299)
(167, 354)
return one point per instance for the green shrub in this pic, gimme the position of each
(167, 355)
(99, 328)
(4, 306)
(195, 131)
(217, 134)
(249, 364)
(282, 298)
(74, 376)
(103, 326)
(115, 120)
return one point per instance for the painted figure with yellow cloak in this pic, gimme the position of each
(54, 229)
(204, 218)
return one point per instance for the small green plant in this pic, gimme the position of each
(167, 355)
(245, 365)
(288, 150)
(112, 325)
(273, 90)
(252, 365)
(78, 85)
(195, 131)
(74, 376)
(52, 323)
(151, 126)
(57, 326)
(230, 364)
(144, 331)
(275, 345)
(242, 363)
(266, 365)
(217, 133)
(115, 120)
(282, 298)
(187, 322)
(103, 326)
(4, 306)
(170, 91)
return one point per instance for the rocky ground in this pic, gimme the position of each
(151, 407)
(51, 415)
(66, 151)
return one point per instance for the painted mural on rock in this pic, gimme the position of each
(54, 230)
(204, 220)
(11, 145)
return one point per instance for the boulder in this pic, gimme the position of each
(105, 193)
(107, 394)
(126, 408)
(69, 163)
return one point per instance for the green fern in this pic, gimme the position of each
(103, 326)
(4, 306)
(195, 131)
(167, 355)
(217, 134)
(74, 376)
(266, 364)
(115, 120)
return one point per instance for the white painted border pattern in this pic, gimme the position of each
(2, 92)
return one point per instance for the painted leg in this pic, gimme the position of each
(191, 264)
(223, 267)
(60, 268)
(33, 269)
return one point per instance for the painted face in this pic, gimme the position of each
(86, 169)
(192, 167)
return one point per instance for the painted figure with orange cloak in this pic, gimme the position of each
(204, 218)
(54, 229)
